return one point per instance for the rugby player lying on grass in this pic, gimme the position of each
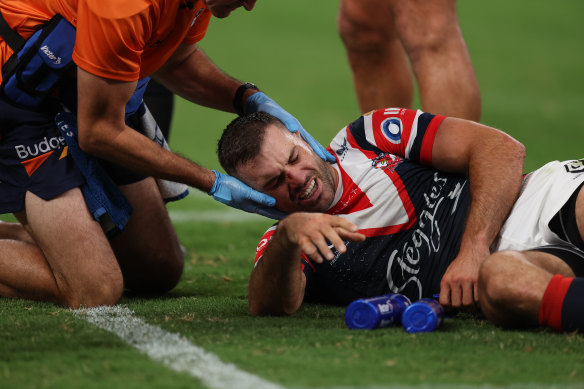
(415, 204)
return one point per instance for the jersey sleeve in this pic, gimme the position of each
(399, 131)
(266, 238)
(306, 264)
(110, 43)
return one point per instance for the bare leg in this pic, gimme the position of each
(512, 285)
(70, 263)
(14, 231)
(381, 72)
(580, 212)
(432, 38)
(148, 249)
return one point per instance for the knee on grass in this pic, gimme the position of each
(156, 276)
(93, 293)
(504, 293)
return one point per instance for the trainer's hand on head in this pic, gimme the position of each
(311, 231)
(230, 191)
(260, 102)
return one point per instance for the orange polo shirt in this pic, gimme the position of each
(118, 39)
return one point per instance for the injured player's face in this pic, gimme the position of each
(287, 169)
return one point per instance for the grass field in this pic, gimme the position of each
(529, 60)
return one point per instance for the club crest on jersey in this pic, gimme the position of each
(386, 161)
(392, 130)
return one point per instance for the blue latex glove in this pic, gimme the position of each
(260, 102)
(230, 191)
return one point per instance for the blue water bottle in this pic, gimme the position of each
(376, 312)
(424, 315)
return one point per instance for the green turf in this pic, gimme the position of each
(528, 57)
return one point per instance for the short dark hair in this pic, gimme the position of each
(242, 139)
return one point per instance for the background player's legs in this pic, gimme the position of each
(70, 262)
(381, 72)
(148, 249)
(512, 285)
(432, 38)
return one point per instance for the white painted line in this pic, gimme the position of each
(172, 350)
(529, 385)
(180, 355)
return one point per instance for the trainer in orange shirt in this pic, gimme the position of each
(58, 252)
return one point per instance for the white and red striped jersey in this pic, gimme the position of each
(412, 214)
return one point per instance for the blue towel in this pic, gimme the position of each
(105, 201)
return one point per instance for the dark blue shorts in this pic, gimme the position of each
(571, 255)
(35, 158)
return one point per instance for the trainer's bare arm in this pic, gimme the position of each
(192, 75)
(103, 133)
(277, 282)
(493, 161)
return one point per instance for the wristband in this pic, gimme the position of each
(237, 99)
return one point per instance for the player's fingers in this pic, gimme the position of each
(318, 240)
(476, 292)
(477, 305)
(309, 249)
(337, 221)
(333, 237)
(347, 230)
(445, 294)
(352, 236)
(455, 295)
(467, 294)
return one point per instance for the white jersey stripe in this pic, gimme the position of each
(368, 124)
(413, 134)
(387, 207)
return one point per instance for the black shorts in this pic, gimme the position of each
(573, 256)
(35, 158)
(565, 226)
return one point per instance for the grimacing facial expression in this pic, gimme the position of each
(222, 8)
(287, 169)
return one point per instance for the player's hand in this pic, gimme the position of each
(230, 191)
(459, 285)
(311, 231)
(260, 102)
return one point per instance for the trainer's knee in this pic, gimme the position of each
(168, 275)
(96, 291)
(502, 290)
(159, 274)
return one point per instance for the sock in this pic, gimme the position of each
(562, 304)
(573, 307)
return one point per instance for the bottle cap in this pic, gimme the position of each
(362, 314)
(422, 316)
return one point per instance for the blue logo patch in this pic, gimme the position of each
(392, 129)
